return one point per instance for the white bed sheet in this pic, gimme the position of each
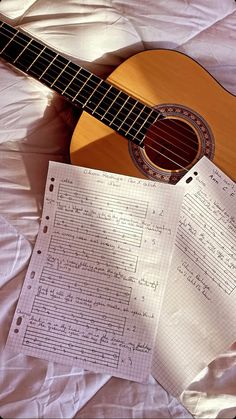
(35, 127)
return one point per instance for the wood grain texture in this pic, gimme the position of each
(156, 77)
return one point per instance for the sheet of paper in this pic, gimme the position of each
(93, 291)
(198, 315)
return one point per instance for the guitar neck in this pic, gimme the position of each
(113, 107)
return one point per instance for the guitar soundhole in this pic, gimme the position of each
(171, 144)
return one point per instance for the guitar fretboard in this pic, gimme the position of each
(115, 108)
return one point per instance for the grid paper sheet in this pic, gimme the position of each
(93, 291)
(199, 309)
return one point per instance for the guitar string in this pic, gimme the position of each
(151, 131)
(81, 68)
(154, 142)
(66, 72)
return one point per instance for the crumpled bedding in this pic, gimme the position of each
(36, 126)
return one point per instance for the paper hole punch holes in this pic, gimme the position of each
(51, 186)
(32, 274)
(18, 321)
(190, 178)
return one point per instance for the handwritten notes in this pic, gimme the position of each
(93, 291)
(199, 310)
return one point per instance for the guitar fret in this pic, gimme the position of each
(8, 43)
(101, 100)
(13, 49)
(112, 121)
(134, 120)
(76, 84)
(48, 66)
(151, 119)
(36, 58)
(84, 84)
(62, 71)
(143, 125)
(94, 90)
(71, 81)
(136, 102)
(26, 46)
(112, 103)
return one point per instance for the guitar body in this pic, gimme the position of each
(171, 110)
(183, 91)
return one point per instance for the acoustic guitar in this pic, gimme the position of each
(168, 107)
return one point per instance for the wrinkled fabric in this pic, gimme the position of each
(36, 126)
